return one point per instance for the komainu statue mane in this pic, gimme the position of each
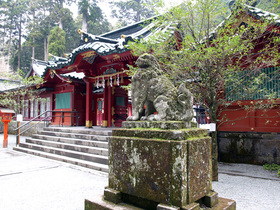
(150, 87)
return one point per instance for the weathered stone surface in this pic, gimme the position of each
(167, 207)
(225, 204)
(249, 147)
(156, 124)
(182, 134)
(211, 199)
(151, 88)
(192, 206)
(165, 171)
(100, 204)
(113, 196)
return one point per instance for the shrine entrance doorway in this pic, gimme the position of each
(99, 111)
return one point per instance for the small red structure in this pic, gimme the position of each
(6, 115)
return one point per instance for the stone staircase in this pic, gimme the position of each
(79, 146)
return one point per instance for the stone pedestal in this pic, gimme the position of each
(159, 167)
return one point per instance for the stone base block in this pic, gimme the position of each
(164, 171)
(167, 207)
(173, 125)
(99, 203)
(192, 206)
(113, 196)
(211, 199)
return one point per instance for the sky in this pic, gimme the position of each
(104, 5)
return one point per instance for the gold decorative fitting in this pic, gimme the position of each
(123, 36)
(88, 124)
(116, 56)
(80, 31)
(104, 123)
(88, 54)
(52, 73)
(86, 39)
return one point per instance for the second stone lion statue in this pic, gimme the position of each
(150, 87)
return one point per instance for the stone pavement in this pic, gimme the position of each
(28, 182)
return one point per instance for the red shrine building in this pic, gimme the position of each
(87, 87)
(248, 132)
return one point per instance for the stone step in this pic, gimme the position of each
(89, 131)
(90, 143)
(78, 148)
(83, 163)
(74, 135)
(68, 153)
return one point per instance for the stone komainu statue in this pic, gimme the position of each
(151, 88)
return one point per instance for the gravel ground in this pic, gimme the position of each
(29, 182)
(249, 193)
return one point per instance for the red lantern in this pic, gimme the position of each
(6, 115)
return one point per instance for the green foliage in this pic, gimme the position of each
(270, 5)
(57, 42)
(92, 19)
(272, 167)
(132, 11)
(72, 37)
(24, 88)
(208, 57)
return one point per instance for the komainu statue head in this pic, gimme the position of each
(150, 87)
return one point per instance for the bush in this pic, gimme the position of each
(272, 167)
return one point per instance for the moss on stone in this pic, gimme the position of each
(176, 135)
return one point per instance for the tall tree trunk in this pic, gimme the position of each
(33, 48)
(60, 23)
(46, 53)
(214, 138)
(138, 16)
(19, 44)
(33, 39)
(84, 23)
(9, 50)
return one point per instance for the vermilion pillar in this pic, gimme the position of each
(107, 115)
(88, 104)
(5, 141)
(109, 106)
(6, 118)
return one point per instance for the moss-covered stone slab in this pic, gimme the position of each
(211, 199)
(101, 204)
(169, 172)
(156, 124)
(181, 134)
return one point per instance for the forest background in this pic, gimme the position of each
(34, 28)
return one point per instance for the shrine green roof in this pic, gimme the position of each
(111, 42)
(116, 41)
